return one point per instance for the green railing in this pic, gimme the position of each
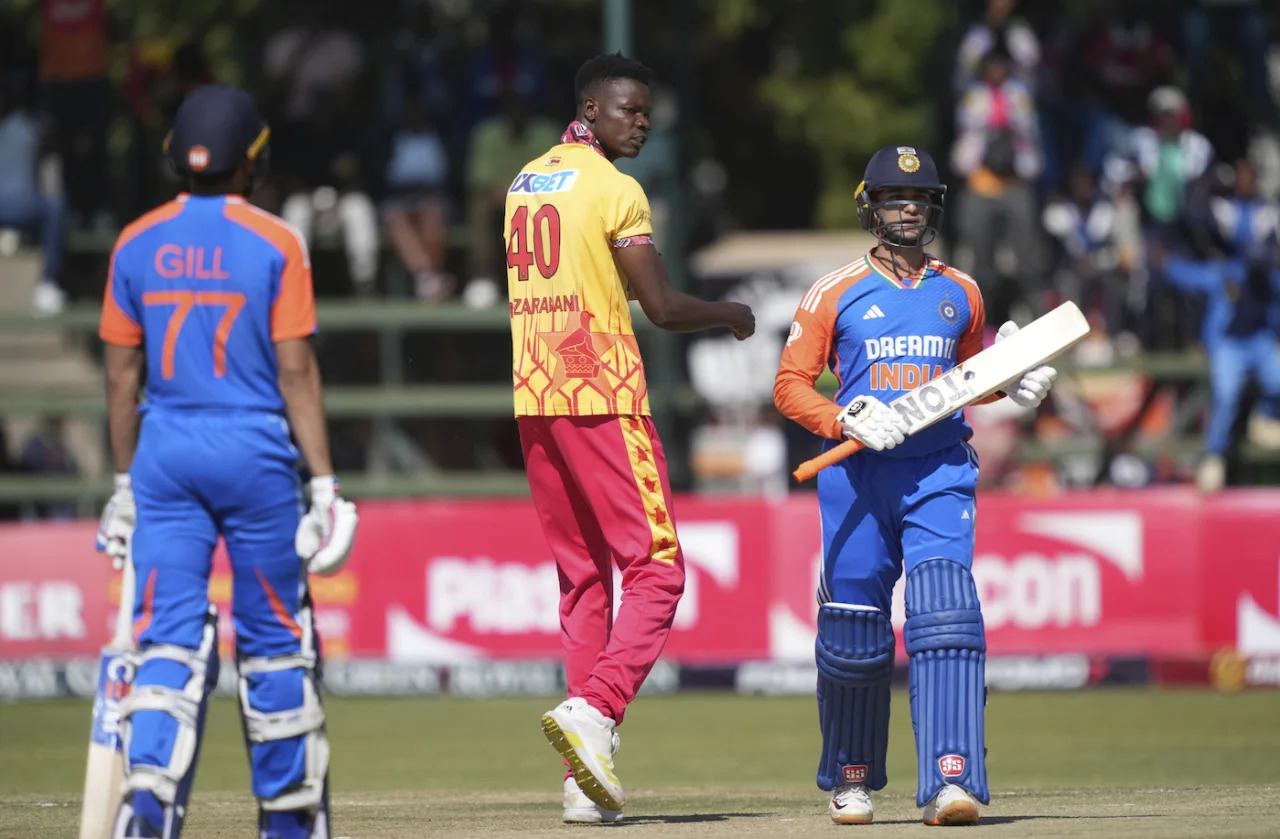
(394, 399)
(392, 320)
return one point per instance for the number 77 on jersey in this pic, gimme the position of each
(991, 370)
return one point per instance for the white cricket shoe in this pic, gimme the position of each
(578, 809)
(851, 804)
(585, 738)
(48, 300)
(952, 806)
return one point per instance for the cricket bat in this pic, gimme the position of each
(104, 774)
(982, 375)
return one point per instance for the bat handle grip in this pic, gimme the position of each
(124, 615)
(835, 454)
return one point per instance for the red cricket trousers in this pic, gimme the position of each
(601, 490)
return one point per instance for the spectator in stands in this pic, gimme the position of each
(1157, 166)
(334, 202)
(998, 28)
(1121, 57)
(1247, 223)
(500, 147)
(997, 150)
(1239, 332)
(46, 453)
(307, 65)
(418, 75)
(415, 208)
(1163, 158)
(159, 76)
(321, 121)
(1240, 346)
(507, 61)
(321, 138)
(1082, 227)
(76, 94)
(1126, 55)
(1239, 27)
(31, 198)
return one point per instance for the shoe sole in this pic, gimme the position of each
(585, 778)
(851, 819)
(592, 816)
(958, 814)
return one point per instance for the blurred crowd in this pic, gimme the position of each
(390, 133)
(1124, 154)
(1117, 159)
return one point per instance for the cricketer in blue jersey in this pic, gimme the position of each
(212, 298)
(1241, 292)
(885, 324)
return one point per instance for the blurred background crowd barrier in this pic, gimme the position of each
(1124, 154)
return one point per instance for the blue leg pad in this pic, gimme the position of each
(945, 638)
(162, 725)
(855, 664)
(283, 721)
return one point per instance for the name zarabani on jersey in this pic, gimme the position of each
(538, 305)
(894, 346)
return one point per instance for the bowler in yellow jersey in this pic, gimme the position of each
(579, 240)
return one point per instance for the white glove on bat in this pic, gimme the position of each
(873, 423)
(326, 532)
(119, 517)
(1030, 390)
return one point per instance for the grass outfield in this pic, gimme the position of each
(1124, 763)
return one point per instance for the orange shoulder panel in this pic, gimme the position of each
(293, 312)
(808, 351)
(115, 326)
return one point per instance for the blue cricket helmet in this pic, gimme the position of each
(216, 129)
(901, 167)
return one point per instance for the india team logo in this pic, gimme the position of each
(855, 774)
(907, 159)
(198, 158)
(951, 766)
(948, 311)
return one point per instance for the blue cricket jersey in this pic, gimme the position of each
(208, 285)
(882, 336)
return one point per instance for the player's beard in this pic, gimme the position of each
(901, 236)
(906, 235)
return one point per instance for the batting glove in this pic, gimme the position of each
(119, 518)
(873, 423)
(1031, 389)
(326, 532)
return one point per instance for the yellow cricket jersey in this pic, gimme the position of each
(573, 349)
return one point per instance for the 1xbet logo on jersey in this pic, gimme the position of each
(531, 183)
(951, 766)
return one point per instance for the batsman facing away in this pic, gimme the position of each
(885, 324)
(212, 298)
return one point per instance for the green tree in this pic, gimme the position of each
(846, 78)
